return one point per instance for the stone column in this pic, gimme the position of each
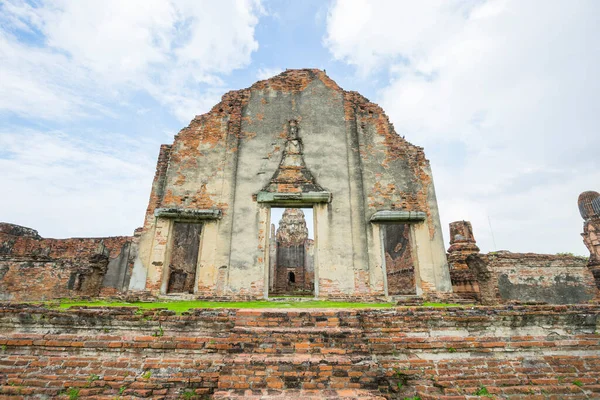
(272, 258)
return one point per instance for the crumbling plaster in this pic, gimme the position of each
(226, 156)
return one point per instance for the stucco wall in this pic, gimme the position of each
(224, 158)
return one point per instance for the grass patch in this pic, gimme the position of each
(182, 306)
(483, 392)
(73, 393)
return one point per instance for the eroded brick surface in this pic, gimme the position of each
(511, 351)
(33, 268)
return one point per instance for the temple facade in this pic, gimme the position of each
(297, 141)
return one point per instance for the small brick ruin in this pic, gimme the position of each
(34, 268)
(502, 276)
(462, 244)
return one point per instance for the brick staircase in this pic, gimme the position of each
(536, 352)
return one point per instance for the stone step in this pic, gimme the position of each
(290, 299)
(308, 330)
(318, 340)
(405, 301)
(297, 318)
(268, 394)
(177, 296)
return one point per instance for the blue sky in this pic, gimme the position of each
(502, 94)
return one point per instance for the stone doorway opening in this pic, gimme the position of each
(184, 257)
(291, 252)
(399, 260)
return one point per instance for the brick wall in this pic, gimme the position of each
(33, 268)
(502, 276)
(516, 352)
(528, 277)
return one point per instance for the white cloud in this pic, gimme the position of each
(67, 170)
(64, 186)
(39, 83)
(370, 34)
(502, 94)
(111, 48)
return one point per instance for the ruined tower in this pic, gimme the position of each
(296, 140)
(294, 271)
(462, 244)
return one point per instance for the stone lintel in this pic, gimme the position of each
(294, 198)
(398, 215)
(189, 214)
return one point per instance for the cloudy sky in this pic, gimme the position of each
(503, 95)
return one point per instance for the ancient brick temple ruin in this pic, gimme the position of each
(296, 141)
(296, 187)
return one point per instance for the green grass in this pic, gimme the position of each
(483, 392)
(185, 305)
(73, 393)
(182, 306)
